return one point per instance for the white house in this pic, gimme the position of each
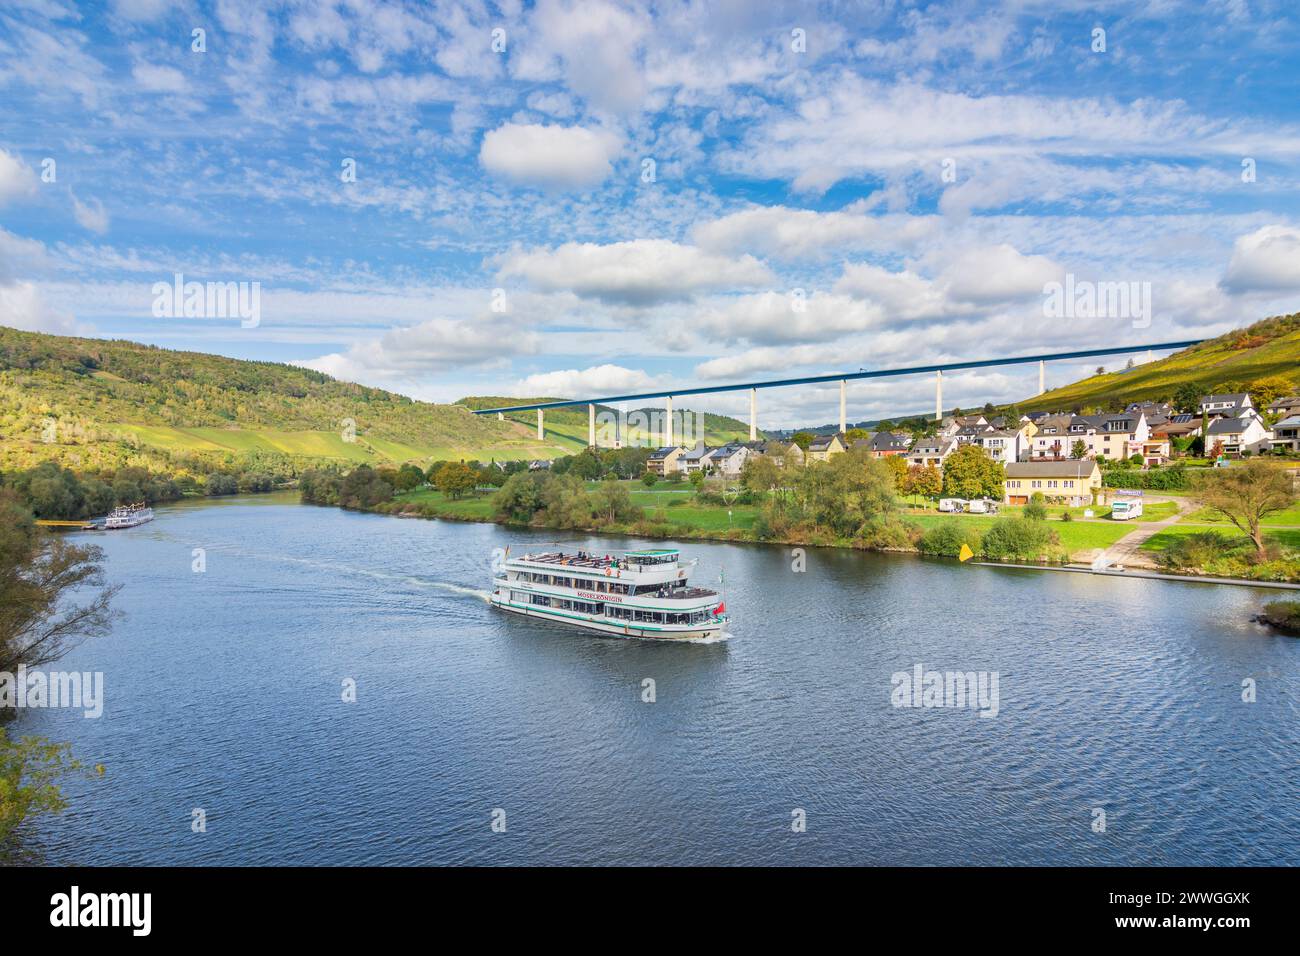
(1234, 405)
(1238, 435)
(1115, 436)
(730, 459)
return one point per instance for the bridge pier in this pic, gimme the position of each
(844, 421)
(540, 435)
(591, 426)
(501, 416)
(668, 421)
(938, 395)
(1042, 377)
(753, 414)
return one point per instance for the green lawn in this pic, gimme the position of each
(1287, 537)
(1205, 516)
(1074, 535)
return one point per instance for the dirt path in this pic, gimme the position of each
(1126, 550)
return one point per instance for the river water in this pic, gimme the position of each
(224, 693)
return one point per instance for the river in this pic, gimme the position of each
(224, 692)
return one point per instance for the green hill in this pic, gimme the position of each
(1266, 353)
(98, 404)
(570, 424)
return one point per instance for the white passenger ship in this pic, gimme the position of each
(128, 516)
(635, 594)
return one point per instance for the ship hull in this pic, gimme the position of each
(123, 523)
(597, 625)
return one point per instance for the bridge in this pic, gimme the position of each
(842, 377)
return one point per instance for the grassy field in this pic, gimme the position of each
(1205, 516)
(1287, 537)
(1074, 535)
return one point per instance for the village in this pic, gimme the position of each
(1060, 455)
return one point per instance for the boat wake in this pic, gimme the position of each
(484, 596)
(707, 639)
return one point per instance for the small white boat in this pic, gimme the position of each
(635, 594)
(128, 516)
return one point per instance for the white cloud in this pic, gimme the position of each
(798, 233)
(1267, 260)
(17, 180)
(553, 157)
(577, 383)
(772, 317)
(594, 46)
(23, 307)
(998, 273)
(153, 78)
(640, 272)
(90, 215)
(415, 351)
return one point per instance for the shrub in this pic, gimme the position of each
(889, 533)
(947, 538)
(649, 479)
(1284, 615)
(1036, 509)
(1022, 538)
(1192, 551)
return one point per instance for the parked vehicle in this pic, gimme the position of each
(952, 505)
(1127, 504)
(982, 506)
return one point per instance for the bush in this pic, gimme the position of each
(1284, 615)
(948, 537)
(1036, 509)
(649, 479)
(1196, 551)
(1022, 538)
(889, 533)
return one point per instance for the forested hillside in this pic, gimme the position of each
(101, 404)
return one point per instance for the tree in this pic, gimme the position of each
(1266, 391)
(649, 479)
(897, 466)
(856, 434)
(802, 439)
(611, 502)
(455, 480)
(51, 597)
(1036, 509)
(970, 473)
(1079, 449)
(1187, 398)
(520, 498)
(1247, 494)
(42, 579)
(924, 480)
(696, 479)
(409, 476)
(1101, 370)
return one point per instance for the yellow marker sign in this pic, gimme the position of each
(966, 553)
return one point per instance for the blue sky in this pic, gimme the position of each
(574, 198)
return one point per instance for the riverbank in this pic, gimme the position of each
(677, 513)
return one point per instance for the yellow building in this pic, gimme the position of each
(1073, 483)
